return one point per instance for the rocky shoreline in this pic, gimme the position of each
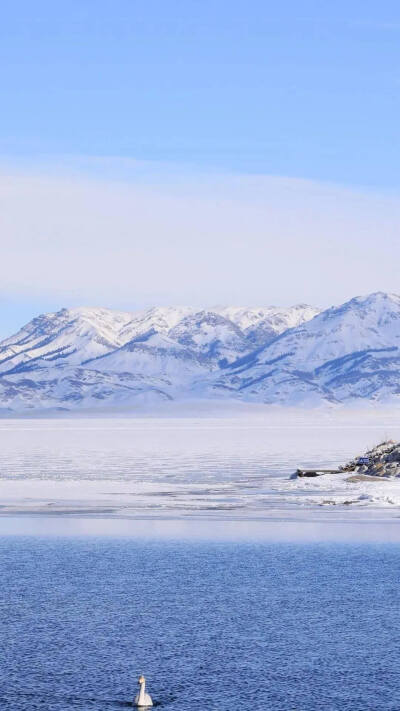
(377, 464)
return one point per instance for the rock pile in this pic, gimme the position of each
(380, 461)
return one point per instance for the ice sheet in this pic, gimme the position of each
(225, 467)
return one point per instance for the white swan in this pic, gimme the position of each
(143, 699)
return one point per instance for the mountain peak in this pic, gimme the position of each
(85, 356)
(381, 298)
(345, 352)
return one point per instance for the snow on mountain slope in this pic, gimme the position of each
(160, 318)
(154, 355)
(84, 357)
(347, 352)
(79, 334)
(67, 387)
(262, 324)
(70, 334)
(213, 337)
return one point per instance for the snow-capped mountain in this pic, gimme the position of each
(262, 324)
(215, 338)
(90, 356)
(97, 357)
(155, 360)
(344, 353)
(69, 334)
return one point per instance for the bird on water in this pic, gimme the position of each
(142, 699)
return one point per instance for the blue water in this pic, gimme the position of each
(224, 626)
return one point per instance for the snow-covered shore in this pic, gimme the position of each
(220, 467)
(275, 500)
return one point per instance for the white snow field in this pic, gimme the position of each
(184, 467)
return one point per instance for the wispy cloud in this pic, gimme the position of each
(144, 234)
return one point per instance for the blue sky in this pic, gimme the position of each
(304, 90)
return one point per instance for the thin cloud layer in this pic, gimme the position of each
(196, 240)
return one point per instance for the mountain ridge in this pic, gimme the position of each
(94, 357)
(321, 355)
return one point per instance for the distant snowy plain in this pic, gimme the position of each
(220, 467)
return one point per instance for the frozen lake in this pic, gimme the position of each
(206, 467)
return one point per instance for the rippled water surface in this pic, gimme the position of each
(214, 626)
